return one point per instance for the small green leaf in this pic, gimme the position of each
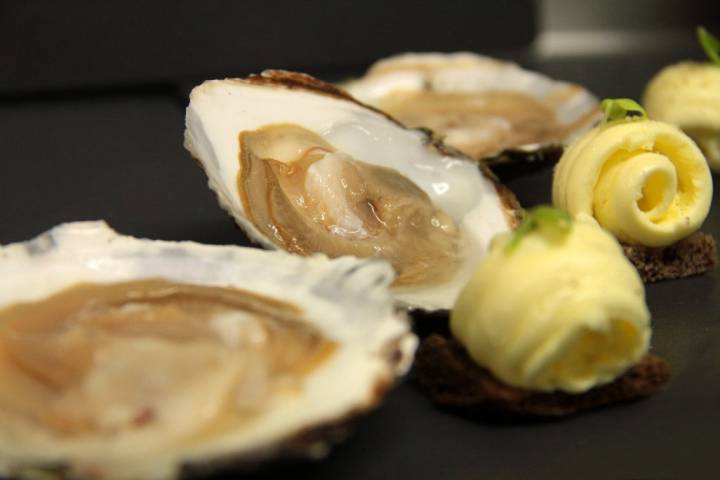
(710, 44)
(527, 226)
(621, 108)
(551, 218)
(548, 220)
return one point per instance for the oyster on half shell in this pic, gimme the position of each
(482, 106)
(303, 167)
(123, 358)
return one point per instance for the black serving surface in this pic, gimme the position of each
(117, 155)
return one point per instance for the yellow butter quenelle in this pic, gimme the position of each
(554, 313)
(688, 95)
(645, 181)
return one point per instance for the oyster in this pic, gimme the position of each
(303, 167)
(482, 106)
(128, 358)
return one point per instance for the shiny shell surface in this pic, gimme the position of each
(138, 387)
(485, 107)
(303, 167)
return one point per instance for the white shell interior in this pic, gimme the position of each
(220, 109)
(347, 299)
(466, 72)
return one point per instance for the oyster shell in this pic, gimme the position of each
(304, 167)
(128, 358)
(486, 108)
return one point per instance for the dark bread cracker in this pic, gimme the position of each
(452, 379)
(693, 255)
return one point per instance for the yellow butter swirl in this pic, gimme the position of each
(688, 95)
(645, 181)
(554, 313)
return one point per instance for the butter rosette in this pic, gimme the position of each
(688, 95)
(645, 181)
(554, 313)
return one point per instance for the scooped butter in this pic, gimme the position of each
(688, 95)
(554, 311)
(645, 181)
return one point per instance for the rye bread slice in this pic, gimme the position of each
(452, 379)
(692, 255)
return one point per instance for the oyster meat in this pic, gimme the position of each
(127, 358)
(481, 106)
(303, 167)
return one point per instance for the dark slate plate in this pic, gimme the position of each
(121, 158)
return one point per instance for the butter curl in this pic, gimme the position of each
(645, 181)
(555, 313)
(688, 95)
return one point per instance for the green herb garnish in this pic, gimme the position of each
(710, 44)
(621, 108)
(551, 221)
